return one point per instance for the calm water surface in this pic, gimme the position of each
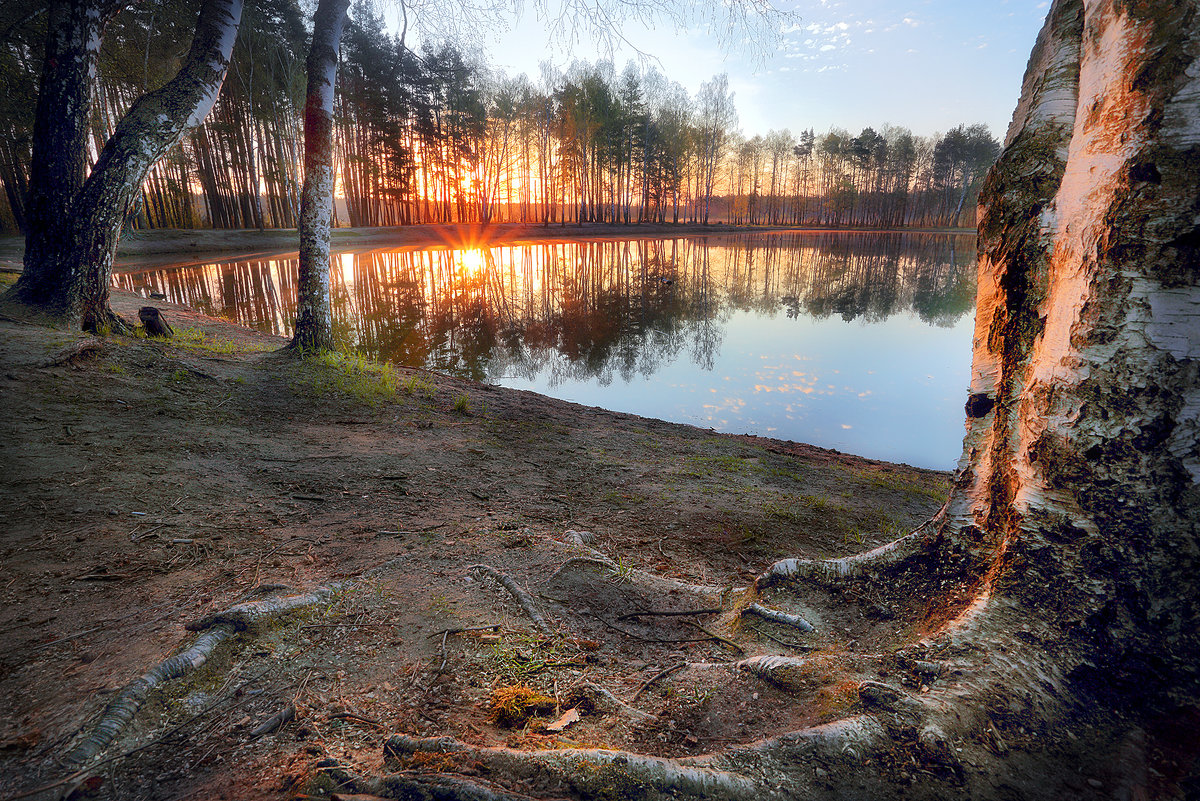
(854, 341)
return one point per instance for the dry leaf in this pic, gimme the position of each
(568, 717)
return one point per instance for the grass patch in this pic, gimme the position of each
(350, 375)
(936, 488)
(197, 341)
(462, 404)
(416, 385)
(516, 659)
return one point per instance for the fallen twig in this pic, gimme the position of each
(796, 645)
(355, 717)
(492, 627)
(275, 722)
(723, 640)
(631, 635)
(659, 676)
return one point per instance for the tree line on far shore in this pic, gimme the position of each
(435, 136)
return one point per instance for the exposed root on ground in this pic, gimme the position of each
(528, 605)
(885, 556)
(84, 348)
(784, 618)
(653, 582)
(122, 709)
(215, 630)
(960, 662)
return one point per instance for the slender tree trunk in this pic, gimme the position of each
(314, 316)
(68, 277)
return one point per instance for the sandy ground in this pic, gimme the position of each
(156, 481)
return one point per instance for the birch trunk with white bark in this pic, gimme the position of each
(75, 224)
(314, 316)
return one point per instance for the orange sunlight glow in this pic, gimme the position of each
(469, 262)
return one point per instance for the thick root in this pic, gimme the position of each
(434, 787)
(216, 629)
(654, 583)
(252, 615)
(519, 595)
(786, 672)
(83, 349)
(784, 618)
(118, 714)
(893, 553)
(590, 772)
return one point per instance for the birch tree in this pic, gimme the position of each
(74, 223)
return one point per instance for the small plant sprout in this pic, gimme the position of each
(462, 404)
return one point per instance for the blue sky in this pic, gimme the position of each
(924, 64)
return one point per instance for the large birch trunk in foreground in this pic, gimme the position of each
(75, 224)
(1080, 474)
(314, 317)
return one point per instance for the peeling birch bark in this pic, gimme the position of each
(68, 266)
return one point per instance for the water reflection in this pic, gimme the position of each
(568, 318)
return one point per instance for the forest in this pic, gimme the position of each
(434, 135)
(238, 567)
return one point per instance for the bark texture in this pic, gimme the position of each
(1081, 481)
(314, 317)
(74, 226)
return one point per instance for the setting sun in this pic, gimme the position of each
(469, 261)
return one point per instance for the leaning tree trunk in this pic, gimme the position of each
(67, 275)
(314, 318)
(1074, 518)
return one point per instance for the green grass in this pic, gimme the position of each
(462, 404)
(197, 341)
(350, 375)
(935, 489)
(416, 385)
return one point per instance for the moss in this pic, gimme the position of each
(514, 704)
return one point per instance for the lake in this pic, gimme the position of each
(855, 341)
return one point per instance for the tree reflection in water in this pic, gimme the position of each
(743, 333)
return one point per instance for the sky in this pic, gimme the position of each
(928, 65)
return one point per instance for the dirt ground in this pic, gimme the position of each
(152, 482)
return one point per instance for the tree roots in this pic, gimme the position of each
(774, 615)
(893, 553)
(121, 710)
(215, 629)
(519, 595)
